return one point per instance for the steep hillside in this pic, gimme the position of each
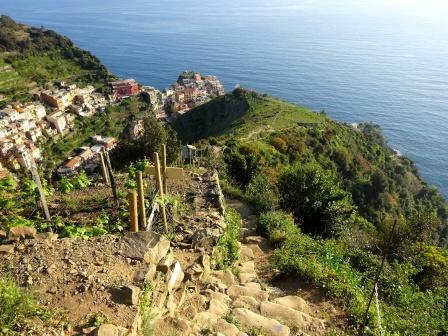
(32, 57)
(328, 194)
(242, 114)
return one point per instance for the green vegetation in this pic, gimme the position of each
(227, 250)
(328, 195)
(79, 181)
(241, 114)
(151, 141)
(34, 57)
(18, 308)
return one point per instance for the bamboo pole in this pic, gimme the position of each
(132, 196)
(160, 188)
(165, 187)
(111, 177)
(43, 201)
(104, 169)
(141, 200)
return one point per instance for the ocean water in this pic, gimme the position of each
(359, 60)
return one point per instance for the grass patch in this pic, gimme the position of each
(17, 308)
(227, 250)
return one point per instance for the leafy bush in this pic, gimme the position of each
(261, 193)
(277, 226)
(312, 194)
(79, 181)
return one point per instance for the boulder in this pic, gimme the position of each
(22, 232)
(110, 330)
(2, 234)
(250, 320)
(146, 246)
(290, 316)
(194, 272)
(225, 276)
(204, 260)
(5, 249)
(165, 263)
(145, 273)
(128, 295)
(236, 291)
(48, 236)
(206, 238)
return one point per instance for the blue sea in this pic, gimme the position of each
(359, 60)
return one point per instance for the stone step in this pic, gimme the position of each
(227, 329)
(249, 320)
(259, 240)
(252, 285)
(246, 267)
(246, 253)
(247, 232)
(247, 302)
(218, 307)
(291, 317)
(244, 277)
(237, 291)
(294, 302)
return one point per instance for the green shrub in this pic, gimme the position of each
(79, 181)
(277, 226)
(261, 193)
(313, 195)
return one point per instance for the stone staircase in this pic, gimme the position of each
(238, 302)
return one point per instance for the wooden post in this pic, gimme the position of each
(141, 200)
(189, 155)
(111, 177)
(104, 169)
(160, 188)
(377, 277)
(133, 214)
(43, 201)
(165, 187)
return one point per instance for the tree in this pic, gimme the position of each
(154, 135)
(313, 195)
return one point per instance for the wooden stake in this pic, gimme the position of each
(141, 200)
(132, 196)
(165, 187)
(111, 177)
(43, 201)
(377, 277)
(160, 188)
(104, 169)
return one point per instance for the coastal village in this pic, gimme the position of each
(26, 126)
